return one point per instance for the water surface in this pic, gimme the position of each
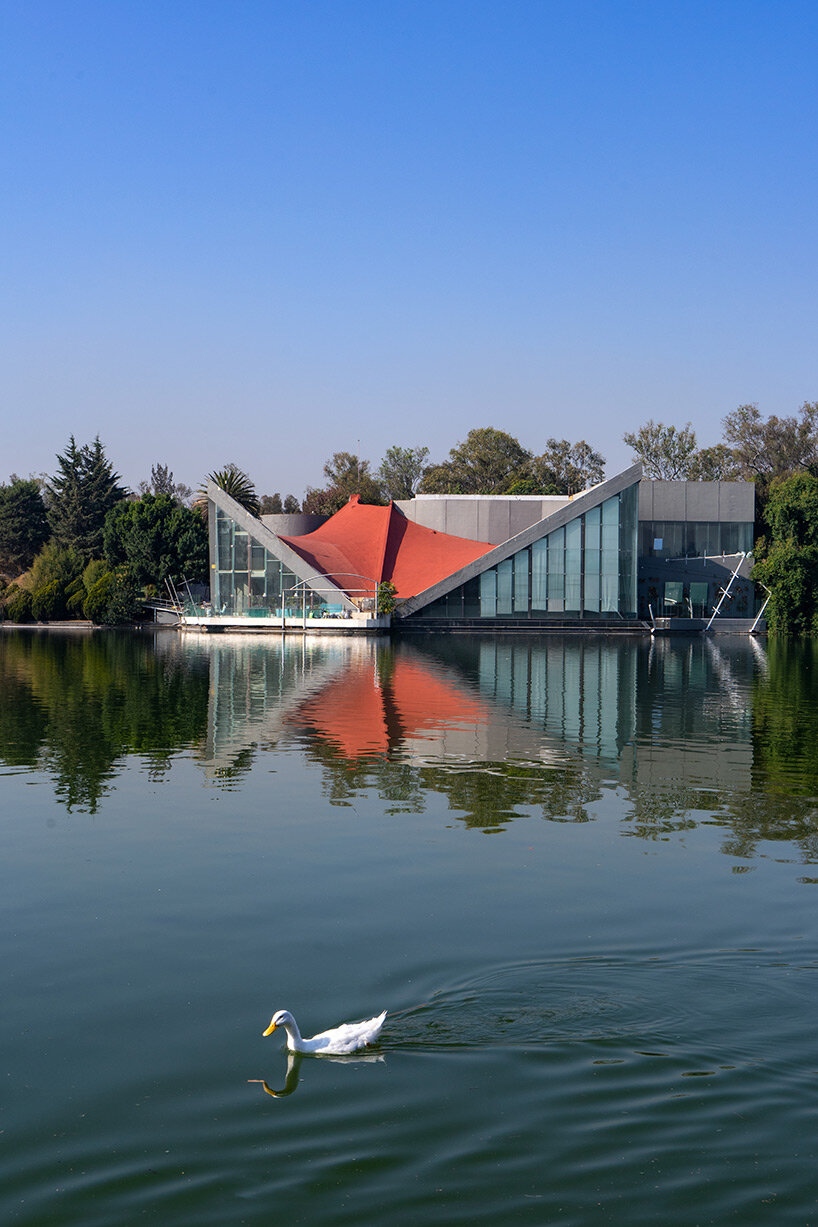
(580, 875)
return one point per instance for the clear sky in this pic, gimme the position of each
(264, 231)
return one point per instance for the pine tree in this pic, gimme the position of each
(81, 495)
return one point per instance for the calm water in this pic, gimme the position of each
(581, 876)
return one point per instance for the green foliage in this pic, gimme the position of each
(156, 538)
(792, 510)
(719, 463)
(81, 494)
(788, 562)
(75, 706)
(346, 475)
(75, 594)
(162, 482)
(54, 563)
(488, 461)
(48, 603)
(773, 447)
(54, 571)
(401, 470)
(18, 604)
(112, 597)
(665, 453)
(23, 525)
(385, 598)
(97, 597)
(235, 482)
(270, 505)
(791, 574)
(565, 468)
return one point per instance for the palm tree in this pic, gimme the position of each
(235, 482)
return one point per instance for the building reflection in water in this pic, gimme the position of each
(486, 701)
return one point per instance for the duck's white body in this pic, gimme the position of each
(338, 1041)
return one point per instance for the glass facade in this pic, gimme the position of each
(249, 581)
(585, 569)
(693, 538)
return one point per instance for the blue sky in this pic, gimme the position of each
(266, 232)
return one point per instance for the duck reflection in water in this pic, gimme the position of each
(294, 1060)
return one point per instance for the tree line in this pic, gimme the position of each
(80, 544)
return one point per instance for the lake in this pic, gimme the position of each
(580, 874)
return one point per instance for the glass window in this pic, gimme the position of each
(556, 571)
(488, 594)
(521, 582)
(628, 527)
(539, 574)
(224, 541)
(573, 564)
(505, 575)
(471, 598)
(241, 543)
(592, 562)
(673, 599)
(698, 599)
(610, 523)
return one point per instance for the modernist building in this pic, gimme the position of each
(473, 560)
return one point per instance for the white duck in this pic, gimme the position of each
(349, 1037)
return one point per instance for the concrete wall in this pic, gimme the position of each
(293, 525)
(492, 518)
(726, 501)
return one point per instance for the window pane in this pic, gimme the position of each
(539, 574)
(573, 565)
(505, 571)
(521, 582)
(488, 594)
(556, 571)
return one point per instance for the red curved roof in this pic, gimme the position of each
(357, 714)
(361, 545)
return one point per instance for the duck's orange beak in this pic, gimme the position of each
(270, 1029)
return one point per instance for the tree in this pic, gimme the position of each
(80, 496)
(664, 452)
(488, 461)
(566, 468)
(718, 463)
(788, 562)
(156, 538)
(291, 505)
(270, 505)
(775, 447)
(346, 475)
(50, 580)
(23, 524)
(235, 482)
(401, 470)
(162, 482)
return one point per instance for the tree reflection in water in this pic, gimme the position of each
(687, 731)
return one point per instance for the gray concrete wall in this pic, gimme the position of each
(492, 518)
(296, 524)
(726, 501)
